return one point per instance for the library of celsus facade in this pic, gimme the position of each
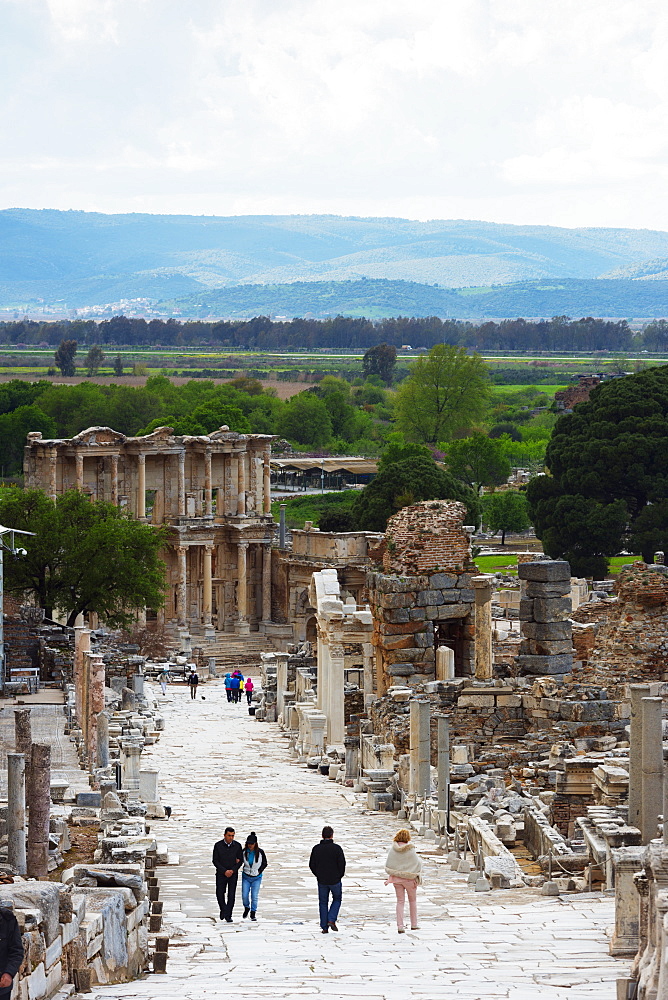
(212, 491)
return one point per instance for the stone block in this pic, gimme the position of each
(552, 609)
(91, 800)
(406, 628)
(549, 631)
(537, 647)
(426, 598)
(394, 601)
(442, 581)
(538, 665)
(526, 610)
(43, 896)
(546, 571)
(465, 579)
(476, 701)
(560, 588)
(417, 614)
(396, 615)
(466, 594)
(587, 711)
(397, 641)
(400, 669)
(36, 983)
(408, 655)
(509, 700)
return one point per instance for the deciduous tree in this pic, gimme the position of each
(64, 357)
(446, 391)
(94, 360)
(505, 511)
(84, 557)
(478, 461)
(380, 360)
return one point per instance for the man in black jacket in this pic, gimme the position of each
(11, 951)
(227, 860)
(328, 864)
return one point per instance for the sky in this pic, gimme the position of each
(547, 112)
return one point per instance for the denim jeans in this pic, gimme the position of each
(250, 890)
(226, 890)
(328, 916)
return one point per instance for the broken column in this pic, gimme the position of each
(23, 741)
(652, 767)
(103, 740)
(420, 773)
(483, 627)
(16, 811)
(131, 755)
(638, 692)
(547, 633)
(39, 811)
(95, 705)
(443, 737)
(445, 663)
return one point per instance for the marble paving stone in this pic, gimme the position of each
(508, 945)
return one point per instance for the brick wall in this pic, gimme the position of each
(427, 537)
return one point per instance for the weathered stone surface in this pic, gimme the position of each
(407, 628)
(549, 631)
(397, 600)
(526, 610)
(552, 609)
(44, 896)
(546, 647)
(560, 588)
(400, 669)
(427, 597)
(537, 665)
(397, 615)
(391, 642)
(467, 594)
(544, 572)
(587, 711)
(442, 581)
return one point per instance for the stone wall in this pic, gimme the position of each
(426, 538)
(545, 609)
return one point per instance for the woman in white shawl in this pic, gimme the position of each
(404, 869)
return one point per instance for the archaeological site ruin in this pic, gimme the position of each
(516, 725)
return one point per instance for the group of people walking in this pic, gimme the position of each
(235, 686)
(327, 862)
(192, 680)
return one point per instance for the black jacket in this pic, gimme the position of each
(11, 944)
(328, 862)
(226, 856)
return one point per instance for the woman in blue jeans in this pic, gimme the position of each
(254, 863)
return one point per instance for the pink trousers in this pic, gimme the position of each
(406, 887)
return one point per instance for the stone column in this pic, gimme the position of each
(39, 812)
(335, 711)
(445, 663)
(181, 584)
(53, 473)
(241, 485)
(114, 478)
(281, 683)
(181, 499)
(103, 740)
(443, 762)
(232, 491)
(483, 627)
(638, 692)
(652, 768)
(131, 755)
(322, 694)
(207, 594)
(625, 939)
(95, 705)
(242, 626)
(267, 483)
(78, 459)
(420, 771)
(23, 740)
(141, 487)
(266, 582)
(208, 495)
(16, 811)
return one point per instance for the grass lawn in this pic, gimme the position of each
(497, 564)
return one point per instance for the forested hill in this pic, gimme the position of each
(322, 265)
(377, 299)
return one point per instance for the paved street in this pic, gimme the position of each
(218, 767)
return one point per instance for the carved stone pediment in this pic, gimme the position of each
(159, 434)
(98, 435)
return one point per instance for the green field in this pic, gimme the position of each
(501, 563)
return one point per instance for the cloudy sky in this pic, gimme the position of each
(523, 111)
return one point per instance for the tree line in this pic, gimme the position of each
(561, 333)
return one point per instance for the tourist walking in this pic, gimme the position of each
(254, 864)
(328, 864)
(227, 860)
(404, 869)
(236, 684)
(193, 681)
(11, 951)
(163, 677)
(228, 686)
(248, 688)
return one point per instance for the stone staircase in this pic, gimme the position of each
(232, 650)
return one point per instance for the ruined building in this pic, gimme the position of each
(213, 493)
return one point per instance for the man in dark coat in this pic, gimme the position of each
(227, 860)
(11, 951)
(328, 864)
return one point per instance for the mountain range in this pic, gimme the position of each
(241, 265)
